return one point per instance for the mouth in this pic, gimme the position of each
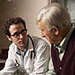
(21, 42)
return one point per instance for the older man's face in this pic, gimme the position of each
(49, 34)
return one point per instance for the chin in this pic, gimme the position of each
(21, 45)
(50, 41)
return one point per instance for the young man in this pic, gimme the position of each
(27, 55)
(55, 24)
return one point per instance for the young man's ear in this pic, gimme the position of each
(9, 38)
(55, 30)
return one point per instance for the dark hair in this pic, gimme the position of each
(11, 21)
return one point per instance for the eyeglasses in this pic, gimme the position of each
(16, 34)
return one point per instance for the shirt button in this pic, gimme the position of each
(60, 68)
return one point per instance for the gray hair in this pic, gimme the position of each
(54, 15)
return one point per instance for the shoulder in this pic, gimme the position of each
(39, 41)
(12, 47)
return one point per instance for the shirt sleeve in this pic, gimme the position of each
(42, 58)
(9, 68)
(51, 68)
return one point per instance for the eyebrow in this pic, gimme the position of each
(17, 32)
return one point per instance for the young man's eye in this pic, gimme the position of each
(23, 31)
(16, 34)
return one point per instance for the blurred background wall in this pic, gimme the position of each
(27, 9)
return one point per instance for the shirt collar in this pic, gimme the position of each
(30, 48)
(62, 46)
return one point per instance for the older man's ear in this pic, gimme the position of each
(55, 30)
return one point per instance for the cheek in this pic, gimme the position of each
(15, 40)
(49, 36)
(42, 33)
(47, 33)
(24, 38)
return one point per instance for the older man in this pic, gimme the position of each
(55, 24)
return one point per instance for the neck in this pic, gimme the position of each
(22, 49)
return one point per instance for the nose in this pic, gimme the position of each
(20, 35)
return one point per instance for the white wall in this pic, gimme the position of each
(27, 9)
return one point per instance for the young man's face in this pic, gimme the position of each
(18, 35)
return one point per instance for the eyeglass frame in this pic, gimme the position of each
(16, 34)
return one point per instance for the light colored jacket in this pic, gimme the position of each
(28, 66)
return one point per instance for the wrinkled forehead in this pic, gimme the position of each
(42, 26)
(16, 27)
